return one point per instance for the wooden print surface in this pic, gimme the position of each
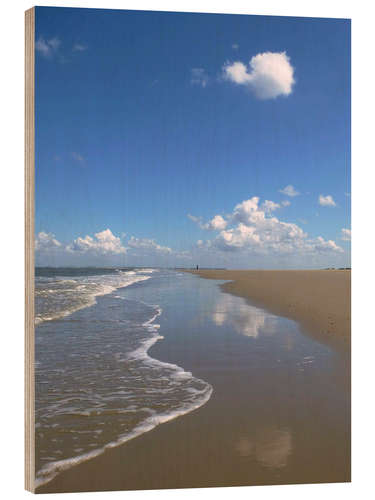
(187, 250)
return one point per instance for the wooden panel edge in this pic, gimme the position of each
(29, 249)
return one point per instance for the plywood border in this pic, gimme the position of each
(29, 248)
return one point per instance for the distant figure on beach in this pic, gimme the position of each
(197, 267)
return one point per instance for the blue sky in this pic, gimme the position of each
(163, 138)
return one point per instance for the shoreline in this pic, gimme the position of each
(319, 300)
(249, 435)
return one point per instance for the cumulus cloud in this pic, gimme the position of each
(103, 243)
(105, 248)
(346, 234)
(48, 48)
(289, 191)
(199, 77)
(325, 246)
(147, 244)
(236, 238)
(285, 203)
(216, 223)
(326, 201)
(268, 75)
(46, 241)
(251, 227)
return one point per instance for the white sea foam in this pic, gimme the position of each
(59, 300)
(48, 472)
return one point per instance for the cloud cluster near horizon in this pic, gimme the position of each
(45, 242)
(253, 228)
(267, 76)
(147, 246)
(250, 230)
(103, 243)
(103, 246)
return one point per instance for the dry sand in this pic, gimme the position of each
(318, 299)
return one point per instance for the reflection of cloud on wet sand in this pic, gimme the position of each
(270, 447)
(244, 318)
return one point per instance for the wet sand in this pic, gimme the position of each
(279, 412)
(318, 299)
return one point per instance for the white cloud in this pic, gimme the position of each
(270, 206)
(346, 234)
(326, 246)
(237, 73)
(199, 77)
(54, 43)
(285, 203)
(79, 47)
(47, 47)
(146, 244)
(197, 220)
(326, 201)
(104, 248)
(103, 243)
(42, 47)
(250, 228)
(236, 238)
(289, 191)
(216, 223)
(248, 211)
(46, 242)
(268, 75)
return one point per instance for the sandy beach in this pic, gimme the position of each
(318, 299)
(280, 408)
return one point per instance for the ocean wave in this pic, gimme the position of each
(172, 390)
(58, 298)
